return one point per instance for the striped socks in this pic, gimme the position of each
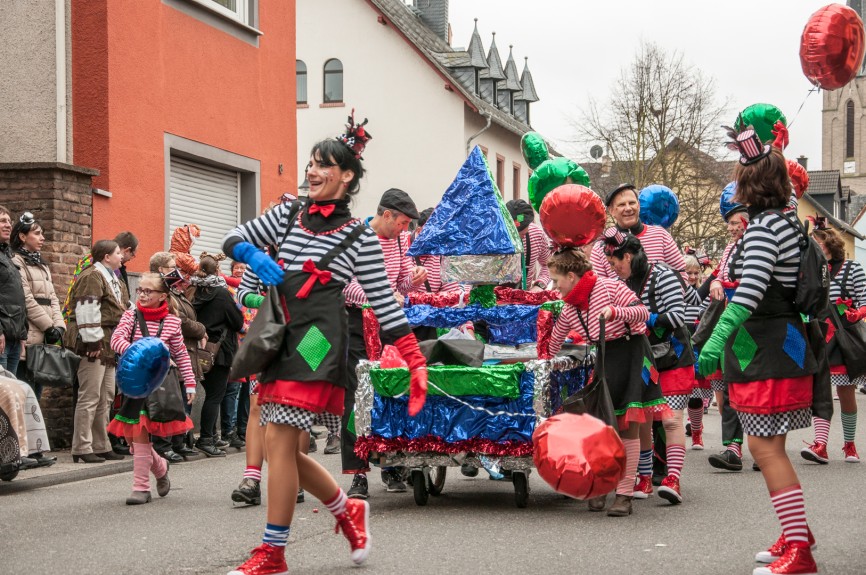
(337, 504)
(632, 451)
(253, 472)
(736, 448)
(791, 510)
(822, 430)
(276, 535)
(645, 463)
(849, 426)
(696, 418)
(676, 455)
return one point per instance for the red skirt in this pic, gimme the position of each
(702, 382)
(126, 428)
(315, 396)
(771, 396)
(678, 381)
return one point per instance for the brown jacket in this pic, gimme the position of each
(192, 330)
(43, 308)
(94, 315)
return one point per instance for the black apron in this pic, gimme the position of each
(316, 344)
(677, 342)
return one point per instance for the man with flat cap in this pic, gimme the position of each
(536, 247)
(391, 222)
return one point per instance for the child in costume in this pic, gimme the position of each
(629, 367)
(152, 316)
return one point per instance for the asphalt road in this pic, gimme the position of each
(85, 528)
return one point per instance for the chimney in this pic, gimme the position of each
(803, 161)
(434, 14)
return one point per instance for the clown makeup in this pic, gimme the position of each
(327, 181)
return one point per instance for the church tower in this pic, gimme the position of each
(843, 126)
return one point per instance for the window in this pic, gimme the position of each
(333, 81)
(515, 182)
(301, 80)
(849, 129)
(237, 9)
(500, 174)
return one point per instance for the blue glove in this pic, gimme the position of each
(651, 322)
(267, 269)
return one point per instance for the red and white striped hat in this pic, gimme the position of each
(750, 146)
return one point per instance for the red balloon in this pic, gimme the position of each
(572, 215)
(578, 455)
(799, 177)
(831, 46)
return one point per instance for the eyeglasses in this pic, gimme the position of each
(27, 219)
(147, 292)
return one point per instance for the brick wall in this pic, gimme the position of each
(59, 197)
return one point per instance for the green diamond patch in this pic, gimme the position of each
(659, 331)
(314, 347)
(744, 348)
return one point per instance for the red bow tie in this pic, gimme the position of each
(326, 210)
(323, 277)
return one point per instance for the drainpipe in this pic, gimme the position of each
(489, 117)
(60, 76)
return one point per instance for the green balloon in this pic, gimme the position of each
(534, 149)
(552, 174)
(762, 117)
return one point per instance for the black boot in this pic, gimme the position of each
(207, 447)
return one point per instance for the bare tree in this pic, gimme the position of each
(661, 124)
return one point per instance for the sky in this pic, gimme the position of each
(577, 50)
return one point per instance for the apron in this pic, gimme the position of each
(316, 343)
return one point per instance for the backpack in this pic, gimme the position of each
(813, 277)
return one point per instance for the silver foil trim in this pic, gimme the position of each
(482, 269)
(364, 398)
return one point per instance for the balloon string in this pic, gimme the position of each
(473, 407)
(809, 93)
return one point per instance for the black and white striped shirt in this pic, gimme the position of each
(770, 250)
(363, 259)
(854, 286)
(668, 297)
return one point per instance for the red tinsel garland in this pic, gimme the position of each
(447, 299)
(371, 334)
(431, 444)
(506, 295)
(545, 330)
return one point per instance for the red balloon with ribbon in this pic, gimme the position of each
(572, 215)
(831, 46)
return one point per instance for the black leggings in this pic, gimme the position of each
(214, 384)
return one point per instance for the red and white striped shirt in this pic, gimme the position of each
(628, 310)
(722, 271)
(658, 245)
(539, 253)
(171, 336)
(398, 267)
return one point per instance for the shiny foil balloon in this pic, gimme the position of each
(142, 367)
(831, 46)
(551, 174)
(799, 177)
(572, 215)
(762, 117)
(578, 455)
(534, 149)
(659, 206)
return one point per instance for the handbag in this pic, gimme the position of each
(207, 356)
(264, 338)
(708, 322)
(851, 339)
(166, 404)
(594, 398)
(664, 355)
(51, 365)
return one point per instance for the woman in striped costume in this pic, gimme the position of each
(847, 295)
(662, 291)
(320, 249)
(629, 368)
(702, 392)
(769, 365)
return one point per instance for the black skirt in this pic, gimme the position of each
(632, 380)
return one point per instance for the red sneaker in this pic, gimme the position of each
(850, 452)
(264, 560)
(796, 560)
(777, 549)
(670, 489)
(643, 488)
(698, 439)
(354, 524)
(816, 452)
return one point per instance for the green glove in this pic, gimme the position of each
(732, 318)
(253, 300)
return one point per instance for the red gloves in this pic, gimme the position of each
(855, 314)
(408, 348)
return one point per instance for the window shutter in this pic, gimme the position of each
(206, 196)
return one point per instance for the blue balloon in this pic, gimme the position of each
(659, 206)
(727, 203)
(142, 367)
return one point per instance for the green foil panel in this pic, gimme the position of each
(490, 380)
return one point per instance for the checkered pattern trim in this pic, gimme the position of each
(842, 379)
(287, 415)
(330, 421)
(768, 425)
(677, 402)
(718, 385)
(702, 393)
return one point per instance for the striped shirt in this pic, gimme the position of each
(692, 313)
(727, 254)
(539, 253)
(398, 266)
(854, 286)
(171, 335)
(770, 250)
(658, 245)
(630, 315)
(363, 259)
(668, 297)
(433, 265)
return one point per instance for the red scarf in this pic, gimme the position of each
(153, 313)
(579, 295)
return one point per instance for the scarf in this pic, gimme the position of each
(579, 295)
(318, 223)
(31, 258)
(153, 313)
(635, 230)
(208, 282)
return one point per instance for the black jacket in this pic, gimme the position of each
(217, 310)
(13, 313)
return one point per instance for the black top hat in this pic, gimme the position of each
(750, 147)
(616, 190)
(399, 201)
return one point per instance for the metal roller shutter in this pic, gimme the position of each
(206, 196)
